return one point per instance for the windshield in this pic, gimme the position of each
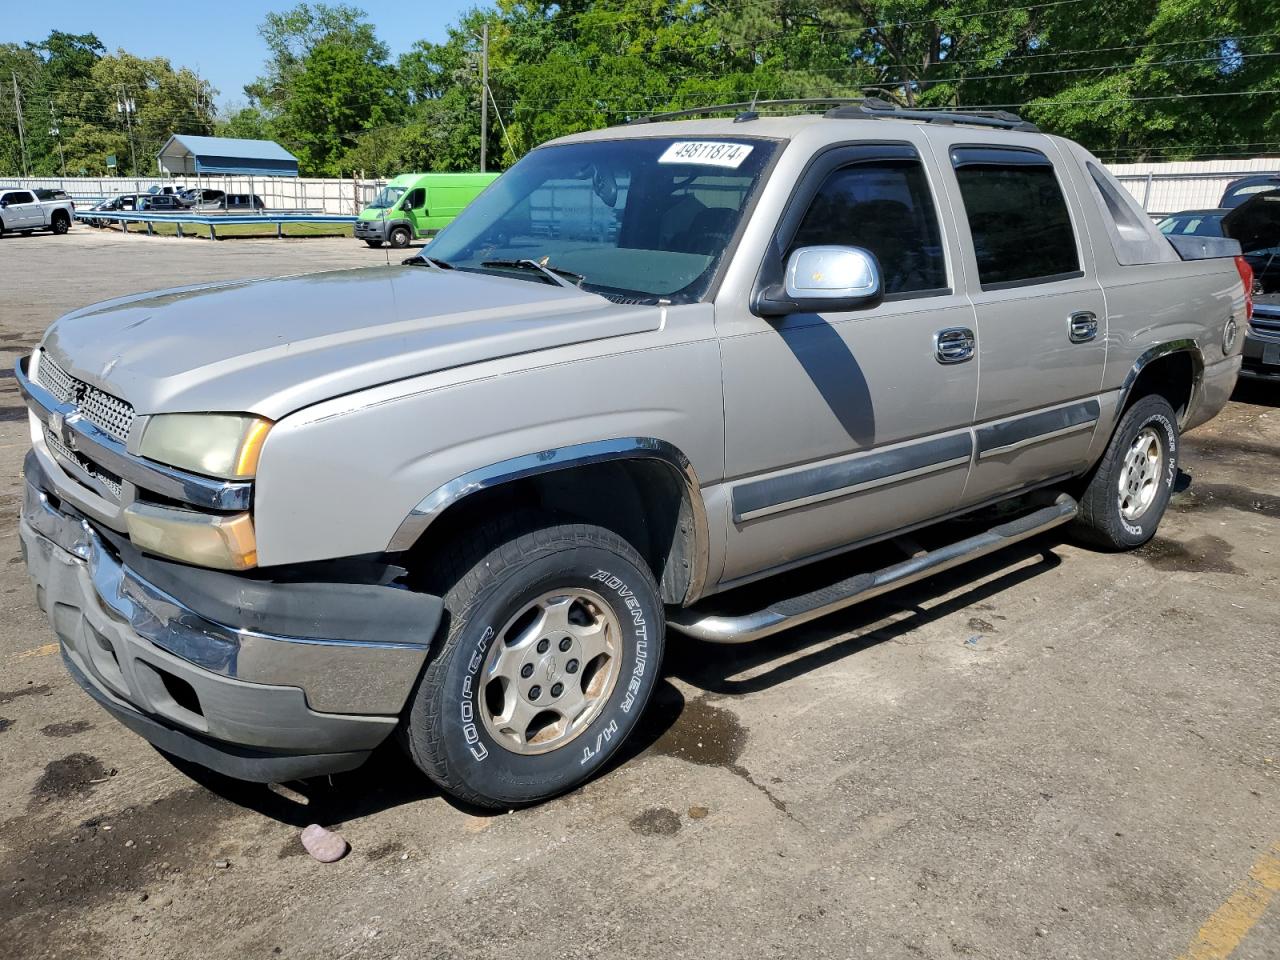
(639, 219)
(386, 197)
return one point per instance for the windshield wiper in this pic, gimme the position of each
(562, 278)
(422, 260)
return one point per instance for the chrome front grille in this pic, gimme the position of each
(109, 414)
(60, 449)
(1270, 324)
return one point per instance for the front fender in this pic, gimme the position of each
(349, 476)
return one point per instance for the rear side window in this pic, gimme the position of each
(1017, 215)
(20, 197)
(881, 205)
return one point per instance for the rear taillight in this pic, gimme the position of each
(1246, 276)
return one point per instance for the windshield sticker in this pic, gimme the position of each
(708, 153)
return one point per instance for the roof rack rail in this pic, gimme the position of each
(749, 109)
(876, 107)
(853, 108)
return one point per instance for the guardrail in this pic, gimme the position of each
(211, 220)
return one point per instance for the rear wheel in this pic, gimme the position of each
(60, 223)
(1130, 488)
(551, 649)
(399, 237)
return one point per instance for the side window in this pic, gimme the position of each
(20, 196)
(883, 206)
(1017, 214)
(417, 199)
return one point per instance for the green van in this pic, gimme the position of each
(415, 205)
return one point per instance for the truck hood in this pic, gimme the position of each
(272, 346)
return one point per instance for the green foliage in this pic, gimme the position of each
(1134, 79)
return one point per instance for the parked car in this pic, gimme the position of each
(464, 498)
(116, 204)
(202, 197)
(416, 205)
(1256, 225)
(21, 211)
(1194, 223)
(242, 201)
(1238, 191)
(160, 203)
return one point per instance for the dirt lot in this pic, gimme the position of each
(1053, 753)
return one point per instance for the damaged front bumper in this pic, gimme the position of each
(260, 679)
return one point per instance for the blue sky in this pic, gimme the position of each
(221, 39)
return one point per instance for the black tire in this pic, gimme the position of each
(498, 573)
(60, 223)
(374, 243)
(399, 237)
(1101, 521)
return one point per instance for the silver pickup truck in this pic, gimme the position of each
(468, 498)
(22, 211)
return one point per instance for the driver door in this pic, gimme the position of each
(843, 427)
(415, 208)
(23, 212)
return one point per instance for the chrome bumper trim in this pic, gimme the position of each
(332, 673)
(109, 453)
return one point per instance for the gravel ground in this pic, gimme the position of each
(1051, 753)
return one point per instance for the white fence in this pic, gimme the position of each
(1164, 188)
(1161, 188)
(278, 193)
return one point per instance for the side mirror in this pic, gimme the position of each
(823, 280)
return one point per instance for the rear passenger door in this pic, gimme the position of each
(1041, 317)
(840, 427)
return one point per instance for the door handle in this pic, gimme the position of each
(954, 345)
(1082, 326)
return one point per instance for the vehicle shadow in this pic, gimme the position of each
(389, 779)
(1259, 393)
(712, 667)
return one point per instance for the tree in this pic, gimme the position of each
(327, 82)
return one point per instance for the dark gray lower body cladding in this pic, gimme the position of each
(793, 611)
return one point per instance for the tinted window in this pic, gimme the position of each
(417, 199)
(20, 196)
(883, 206)
(1018, 217)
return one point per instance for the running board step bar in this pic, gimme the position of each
(793, 611)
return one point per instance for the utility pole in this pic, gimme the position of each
(56, 133)
(484, 93)
(22, 136)
(125, 105)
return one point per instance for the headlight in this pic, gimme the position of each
(215, 444)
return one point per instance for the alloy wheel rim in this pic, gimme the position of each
(550, 671)
(1140, 474)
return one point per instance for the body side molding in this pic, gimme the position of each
(559, 458)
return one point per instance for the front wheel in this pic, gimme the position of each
(551, 649)
(399, 237)
(1130, 488)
